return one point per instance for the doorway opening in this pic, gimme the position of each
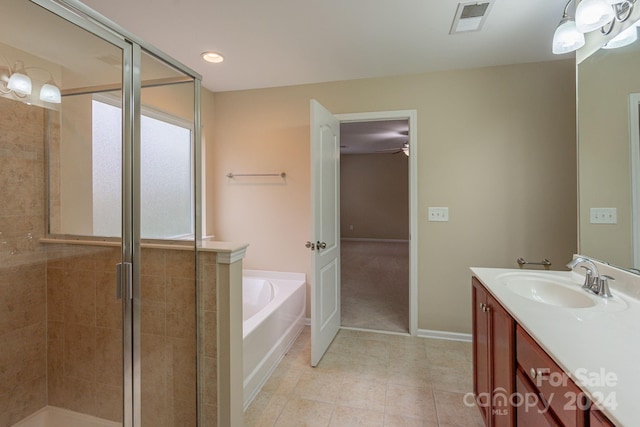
(377, 183)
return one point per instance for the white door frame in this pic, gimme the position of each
(412, 116)
(634, 139)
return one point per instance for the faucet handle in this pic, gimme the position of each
(588, 278)
(603, 286)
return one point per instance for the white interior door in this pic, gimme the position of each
(325, 264)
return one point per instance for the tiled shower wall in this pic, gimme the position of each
(85, 344)
(60, 322)
(22, 266)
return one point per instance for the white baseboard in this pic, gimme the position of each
(444, 335)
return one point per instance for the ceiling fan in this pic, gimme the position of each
(404, 149)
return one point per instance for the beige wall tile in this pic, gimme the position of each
(108, 307)
(79, 352)
(109, 402)
(109, 357)
(80, 297)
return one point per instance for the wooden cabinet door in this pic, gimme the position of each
(598, 419)
(493, 358)
(481, 365)
(502, 355)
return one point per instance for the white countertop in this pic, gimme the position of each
(600, 344)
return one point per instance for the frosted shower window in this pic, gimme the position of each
(166, 175)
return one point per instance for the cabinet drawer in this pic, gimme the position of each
(559, 391)
(531, 411)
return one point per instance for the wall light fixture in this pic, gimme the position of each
(17, 82)
(591, 15)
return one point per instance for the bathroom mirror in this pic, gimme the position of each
(608, 108)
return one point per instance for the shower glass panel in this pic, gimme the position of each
(98, 224)
(61, 329)
(167, 261)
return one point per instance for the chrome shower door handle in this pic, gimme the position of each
(124, 279)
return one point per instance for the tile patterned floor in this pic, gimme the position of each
(369, 379)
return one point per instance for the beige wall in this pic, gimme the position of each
(604, 84)
(496, 145)
(374, 196)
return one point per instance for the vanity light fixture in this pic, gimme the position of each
(567, 38)
(213, 57)
(19, 83)
(50, 93)
(625, 38)
(591, 15)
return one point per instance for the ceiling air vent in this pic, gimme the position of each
(470, 17)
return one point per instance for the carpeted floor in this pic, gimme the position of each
(375, 285)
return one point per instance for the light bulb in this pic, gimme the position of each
(567, 38)
(20, 83)
(625, 38)
(50, 93)
(593, 14)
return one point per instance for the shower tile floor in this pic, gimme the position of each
(370, 379)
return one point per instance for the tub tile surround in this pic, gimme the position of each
(365, 379)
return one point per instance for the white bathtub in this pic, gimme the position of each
(273, 305)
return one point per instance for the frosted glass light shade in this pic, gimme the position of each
(593, 14)
(50, 93)
(567, 38)
(20, 83)
(625, 38)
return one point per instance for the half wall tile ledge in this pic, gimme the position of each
(227, 252)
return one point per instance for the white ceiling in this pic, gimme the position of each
(289, 42)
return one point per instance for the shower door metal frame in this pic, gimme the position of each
(86, 18)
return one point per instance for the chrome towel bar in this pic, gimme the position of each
(522, 262)
(233, 175)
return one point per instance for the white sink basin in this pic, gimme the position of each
(559, 290)
(550, 292)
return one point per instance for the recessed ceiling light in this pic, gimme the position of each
(214, 57)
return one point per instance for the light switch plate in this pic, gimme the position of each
(438, 214)
(603, 216)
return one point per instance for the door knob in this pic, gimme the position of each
(321, 245)
(310, 245)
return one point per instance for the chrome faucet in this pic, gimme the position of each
(593, 281)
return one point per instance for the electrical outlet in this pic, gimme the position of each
(603, 216)
(438, 214)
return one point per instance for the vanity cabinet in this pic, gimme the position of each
(548, 393)
(494, 358)
(598, 419)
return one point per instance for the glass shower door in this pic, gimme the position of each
(98, 223)
(165, 313)
(63, 355)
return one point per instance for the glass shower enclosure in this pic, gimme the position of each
(99, 224)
